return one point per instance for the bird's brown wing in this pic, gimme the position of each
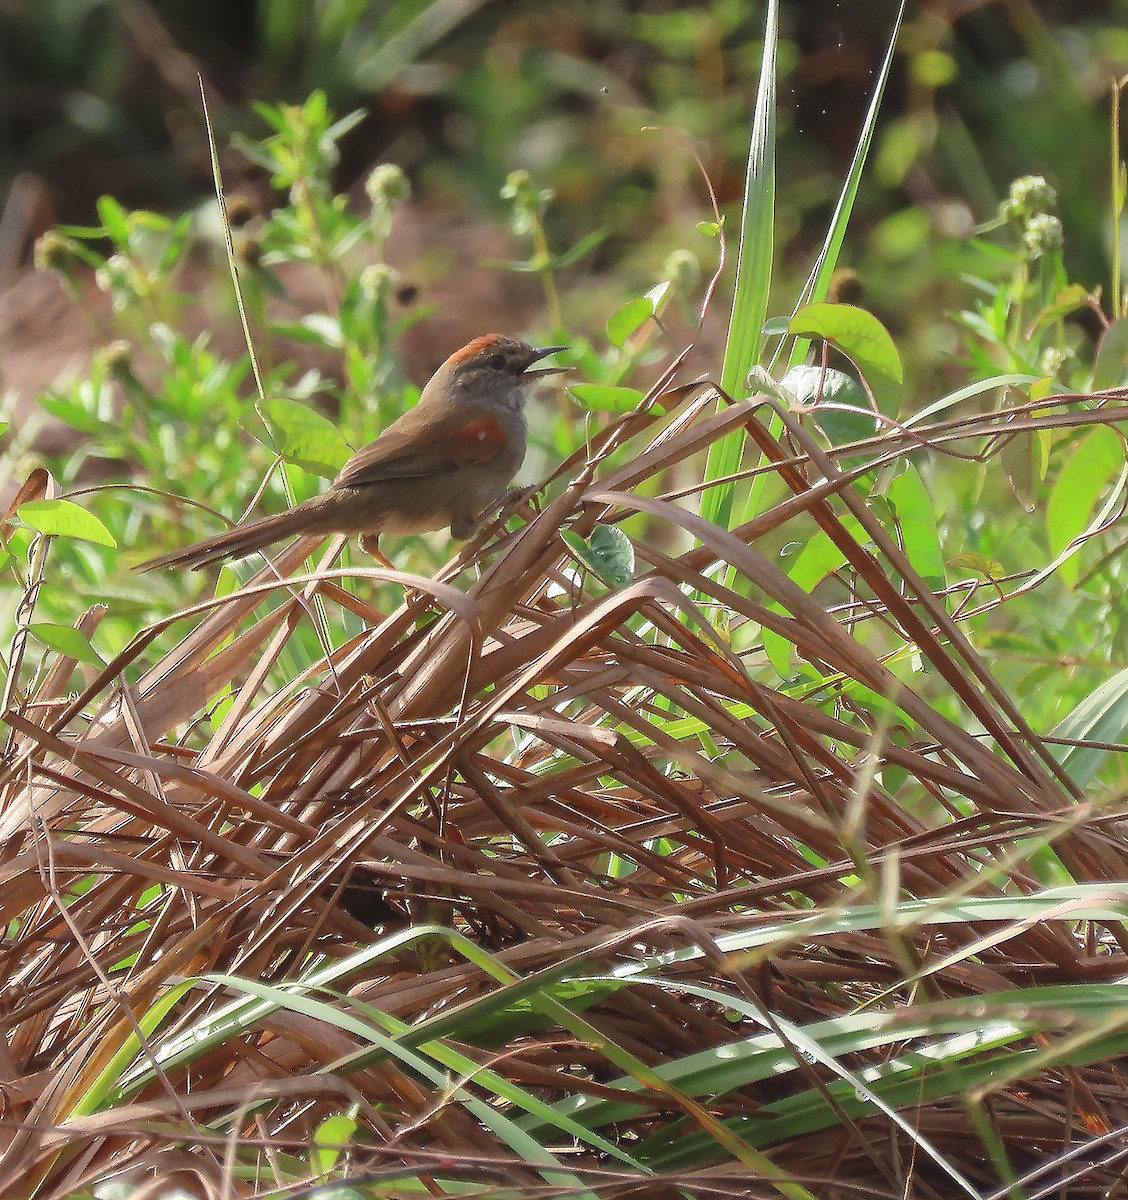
(409, 449)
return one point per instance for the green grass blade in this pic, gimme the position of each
(753, 272)
(525, 1147)
(1101, 717)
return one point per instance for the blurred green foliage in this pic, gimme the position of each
(186, 425)
(101, 97)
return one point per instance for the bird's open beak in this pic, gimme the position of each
(544, 372)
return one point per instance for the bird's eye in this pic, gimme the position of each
(496, 362)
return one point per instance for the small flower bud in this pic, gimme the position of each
(527, 201)
(387, 186)
(52, 250)
(240, 210)
(377, 282)
(115, 275)
(1043, 235)
(515, 184)
(248, 249)
(845, 287)
(116, 358)
(1054, 359)
(1028, 194)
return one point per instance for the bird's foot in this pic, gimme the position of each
(516, 498)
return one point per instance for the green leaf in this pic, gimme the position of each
(1101, 717)
(297, 331)
(1087, 472)
(1068, 300)
(114, 221)
(70, 412)
(917, 521)
(495, 1028)
(1025, 459)
(108, 1080)
(584, 246)
(978, 564)
(67, 640)
(343, 124)
(863, 339)
(625, 320)
(1111, 368)
(331, 1137)
(614, 554)
(818, 559)
(62, 518)
(812, 385)
(605, 397)
(816, 386)
(316, 329)
(304, 437)
(609, 554)
(176, 245)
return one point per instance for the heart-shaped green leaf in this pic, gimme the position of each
(62, 518)
(816, 386)
(863, 339)
(304, 437)
(609, 554)
(67, 640)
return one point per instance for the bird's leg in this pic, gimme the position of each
(370, 544)
(507, 503)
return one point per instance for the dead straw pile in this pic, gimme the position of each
(569, 778)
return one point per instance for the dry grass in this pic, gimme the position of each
(569, 780)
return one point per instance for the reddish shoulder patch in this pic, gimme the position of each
(476, 441)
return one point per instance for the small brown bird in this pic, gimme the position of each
(447, 461)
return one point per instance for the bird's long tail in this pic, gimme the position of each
(312, 516)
